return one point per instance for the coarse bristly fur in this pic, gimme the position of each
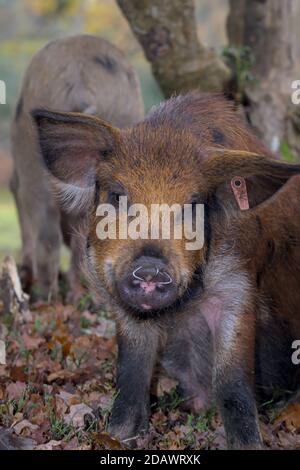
(228, 333)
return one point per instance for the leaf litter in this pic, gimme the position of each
(57, 389)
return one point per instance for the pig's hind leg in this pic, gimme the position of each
(27, 267)
(40, 222)
(48, 246)
(38, 213)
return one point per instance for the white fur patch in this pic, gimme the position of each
(73, 198)
(228, 283)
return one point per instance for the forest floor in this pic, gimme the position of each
(58, 386)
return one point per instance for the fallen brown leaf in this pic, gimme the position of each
(104, 440)
(9, 441)
(17, 373)
(77, 414)
(31, 342)
(73, 444)
(290, 416)
(165, 385)
(61, 374)
(24, 424)
(49, 445)
(15, 390)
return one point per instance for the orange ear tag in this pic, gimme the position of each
(239, 189)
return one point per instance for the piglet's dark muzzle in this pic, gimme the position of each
(147, 285)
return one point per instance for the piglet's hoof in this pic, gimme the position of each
(129, 440)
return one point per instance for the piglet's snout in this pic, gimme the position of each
(148, 284)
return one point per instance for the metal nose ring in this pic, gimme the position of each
(140, 278)
(169, 281)
(135, 275)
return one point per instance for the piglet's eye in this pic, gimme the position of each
(194, 200)
(114, 198)
(197, 199)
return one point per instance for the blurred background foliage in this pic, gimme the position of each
(26, 25)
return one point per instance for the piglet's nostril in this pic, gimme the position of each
(161, 288)
(136, 282)
(148, 287)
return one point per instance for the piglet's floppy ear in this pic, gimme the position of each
(73, 144)
(262, 176)
(227, 163)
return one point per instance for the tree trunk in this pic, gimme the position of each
(236, 22)
(266, 28)
(167, 31)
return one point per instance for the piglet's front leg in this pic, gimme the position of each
(136, 360)
(230, 315)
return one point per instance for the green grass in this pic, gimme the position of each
(202, 422)
(170, 401)
(286, 152)
(10, 242)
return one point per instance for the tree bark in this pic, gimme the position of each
(167, 31)
(266, 28)
(236, 22)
